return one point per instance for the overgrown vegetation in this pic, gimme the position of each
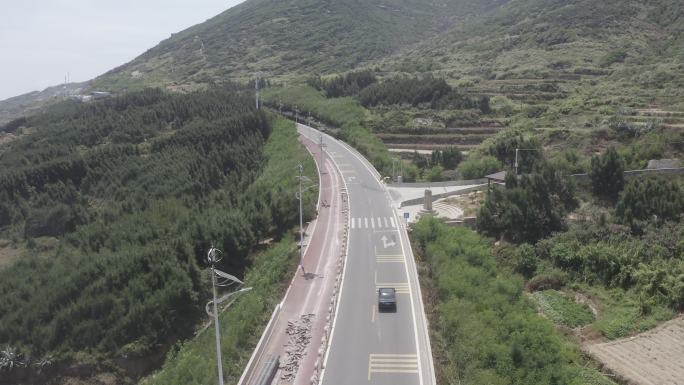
(486, 331)
(529, 208)
(136, 189)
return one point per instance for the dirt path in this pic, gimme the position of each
(655, 357)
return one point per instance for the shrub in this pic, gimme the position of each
(607, 174)
(531, 207)
(478, 167)
(643, 200)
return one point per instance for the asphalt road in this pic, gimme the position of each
(369, 347)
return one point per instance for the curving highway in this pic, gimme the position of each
(366, 346)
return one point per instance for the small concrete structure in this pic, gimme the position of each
(497, 177)
(427, 204)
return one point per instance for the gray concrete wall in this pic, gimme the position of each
(450, 183)
(419, 201)
(635, 173)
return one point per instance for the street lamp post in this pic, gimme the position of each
(299, 196)
(213, 258)
(301, 223)
(226, 280)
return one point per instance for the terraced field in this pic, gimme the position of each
(650, 358)
(435, 137)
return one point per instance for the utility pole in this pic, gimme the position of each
(516, 161)
(256, 88)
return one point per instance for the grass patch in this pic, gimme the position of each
(561, 309)
(624, 313)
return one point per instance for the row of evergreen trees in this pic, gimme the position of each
(428, 90)
(343, 85)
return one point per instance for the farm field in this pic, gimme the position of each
(650, 358)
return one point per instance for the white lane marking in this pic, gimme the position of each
(386, 224)
(353, 223)
(389, 258)
(379, 222)
(399, 287)
(392, 363)
(342, 279)
(372, 222)
(393, 223)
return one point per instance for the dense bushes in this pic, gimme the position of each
(531, 207)
(212, 171)
(650, 200)
(611, 255)
(479, 167)
(345, 85)
(415, 91)
(486, 330)
(503, 147)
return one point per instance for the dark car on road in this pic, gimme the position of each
(387, 299)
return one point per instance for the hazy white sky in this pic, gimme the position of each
(43, 40)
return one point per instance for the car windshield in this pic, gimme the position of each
(386, 293)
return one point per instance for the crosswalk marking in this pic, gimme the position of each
(399, 287)
(389, 258)
(392, 363)
(373, 223)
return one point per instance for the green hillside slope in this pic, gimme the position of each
(578, 73)
(292, 37)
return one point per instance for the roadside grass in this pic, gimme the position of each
(484, 330)
(624, 313)
(345, 113)
(562, 309)
(335, 111)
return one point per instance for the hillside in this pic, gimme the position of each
(579, 72)
(109, 208)
(291, 37)
(20, 105)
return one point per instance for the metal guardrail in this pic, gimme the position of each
(250, 370)
(268, 371)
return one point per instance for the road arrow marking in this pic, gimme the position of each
(386, 244)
